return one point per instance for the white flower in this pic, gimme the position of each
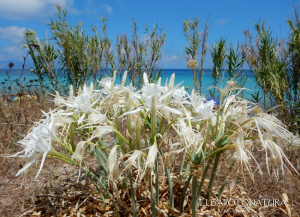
(108, 84)
(82, 103)
(229, 87)
(276, 154)
(39, 141)
(147, 93)
(196, 99)
(240, 154)
(96, 118)
(272, 125)
(180, 95)
(204, 109)
(188, 136)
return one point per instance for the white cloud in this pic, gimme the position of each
(108, 9)
(22, 9)
(144, 38)
(14, 34)
(221, 22)
(12, 53)
(171, 58)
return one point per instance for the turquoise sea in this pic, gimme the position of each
(184, 75)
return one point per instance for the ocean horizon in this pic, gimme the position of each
(184, 75)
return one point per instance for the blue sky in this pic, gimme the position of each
(227, 18)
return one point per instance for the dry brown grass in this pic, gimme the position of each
(16, 119)
(43, 197)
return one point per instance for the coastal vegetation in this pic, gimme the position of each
(155, 149)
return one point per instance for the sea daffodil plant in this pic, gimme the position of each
(145, 130)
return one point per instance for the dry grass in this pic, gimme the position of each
(59, 191)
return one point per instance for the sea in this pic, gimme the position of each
(181, 75)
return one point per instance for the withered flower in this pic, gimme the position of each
(192, 64)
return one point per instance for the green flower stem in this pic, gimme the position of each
(152, 197)
(168, 126)
(224, 183)
(92, 176)
(138, 133)
(201, 154)
(182, 162)
(233, 129)
(105, 149)
(116, 135)
(251, 138)
(194, 195)
(56, 153)
(161, 124)
(62, 159)
(98, 189)
(169, 183)
(213, 153)
(132, 196)
(213, 174)
(71, 136)
(156, 181)
(101, 164)
(104, 155)
(170, 188)
(187, 169)
(98, 180)
(128, 108)
(203, 178)
(153, 118)
(196, 192)
(186, 185)
(218, 116)
(121, 137)
(66, 147)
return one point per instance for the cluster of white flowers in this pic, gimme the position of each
(200, 126)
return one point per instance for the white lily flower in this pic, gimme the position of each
(229, 87)
(276, 154)
(240, 154)
(196, 99)
(108, 84)
(82, 103)
(188, 136)
(180, 95)
(147, 93)
(96, 118)
(204, 109)
(272, 125)
(39, 142)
